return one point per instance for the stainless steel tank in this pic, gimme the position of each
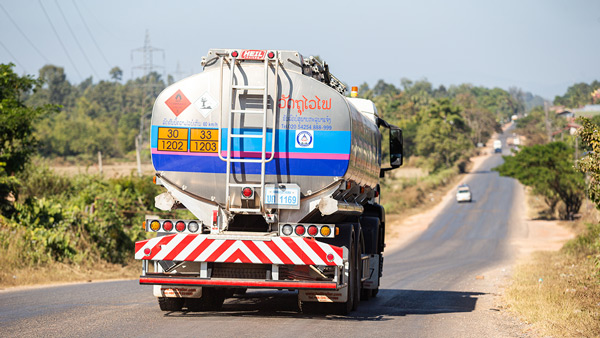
(319, 136)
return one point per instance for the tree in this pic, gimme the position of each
(116, 73)
(56, 88)
(577, 95)
(590, 163)
(442, 135)
(17, 141)
(549, 170)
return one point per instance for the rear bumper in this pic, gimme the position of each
(162, 279)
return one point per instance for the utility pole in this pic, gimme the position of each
(146, 67)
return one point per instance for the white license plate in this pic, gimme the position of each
(284, 196)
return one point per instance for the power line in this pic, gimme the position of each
(76, 40)
(12, 56)
(59, 40)
(91, 35)
(24, 35)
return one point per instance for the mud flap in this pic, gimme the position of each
(177, 292)
(372, 275)
(338, 296)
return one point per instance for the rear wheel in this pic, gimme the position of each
(170, 304)
(212, 300)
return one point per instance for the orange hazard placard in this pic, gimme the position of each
(178, 102)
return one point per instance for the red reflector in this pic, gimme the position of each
(247, 192)
(329, 257)
(167, 226)
(313, 230)
(215, 213)
(234, 54)
(300, 230)
(180, 226)
(271, 55)
(147, 251)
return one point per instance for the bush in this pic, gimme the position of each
(83, 218)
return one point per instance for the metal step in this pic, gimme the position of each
(246, 111)
(247, 135)
(241, 87)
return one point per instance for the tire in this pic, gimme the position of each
(310, 307)
(170, 304)
(212, 300)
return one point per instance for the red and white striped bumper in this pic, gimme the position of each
(276, 250)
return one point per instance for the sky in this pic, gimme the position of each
(540, 46)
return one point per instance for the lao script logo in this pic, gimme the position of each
(301, 105)
(304, 138)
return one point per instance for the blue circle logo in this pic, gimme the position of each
(304, 139)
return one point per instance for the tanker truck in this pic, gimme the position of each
(280, 171)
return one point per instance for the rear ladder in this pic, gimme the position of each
(233, 88)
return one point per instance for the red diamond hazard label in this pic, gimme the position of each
(178, 103)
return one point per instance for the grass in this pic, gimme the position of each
(559, 292)
(56, 272)
(22, 264)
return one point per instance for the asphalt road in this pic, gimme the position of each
(432, 287)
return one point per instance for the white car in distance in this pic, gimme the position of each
(463, 194)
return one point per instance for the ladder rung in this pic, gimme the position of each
(244, 160)
(244, 210)
(247, 135)
(245, 111)
(255, 185)
(248, 87)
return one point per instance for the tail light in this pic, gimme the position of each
(155, 225)
(325, 231)
(234, 54)
(168, 226)
(287, 230)
(300, 230)
(313, 230)
(180, 226)
(247, 193)
(271, 55)
(193, 226)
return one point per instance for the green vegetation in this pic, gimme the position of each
(103, 116)
(558, 292)
(16, 127)
(579, 94)
(549, 170)
(79, 220)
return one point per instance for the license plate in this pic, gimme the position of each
(283, 196)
